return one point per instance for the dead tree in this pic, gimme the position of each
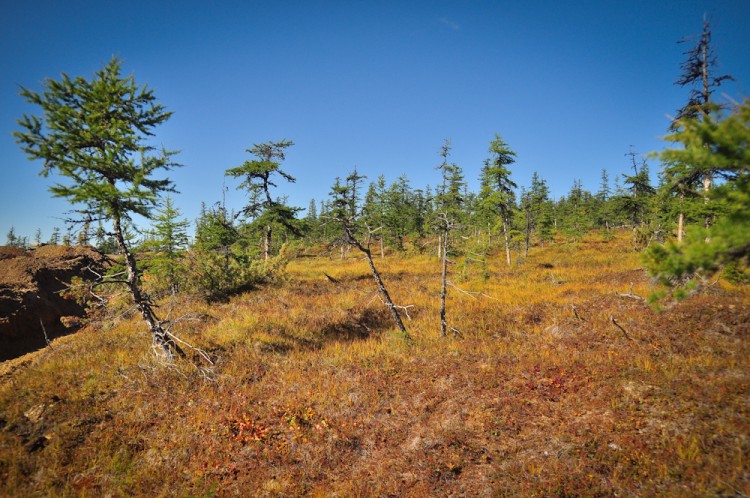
(345, 214)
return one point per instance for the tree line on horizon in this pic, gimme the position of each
(93, 133)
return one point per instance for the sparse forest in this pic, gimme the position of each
(397, 337)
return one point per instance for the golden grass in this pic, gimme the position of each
(315, 393)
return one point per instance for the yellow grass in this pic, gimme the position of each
(315, 393)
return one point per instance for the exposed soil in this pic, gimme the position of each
(31, 295)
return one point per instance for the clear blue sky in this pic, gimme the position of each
(570, 85)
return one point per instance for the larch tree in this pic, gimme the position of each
(449, 204)
(721, 142)
(94, 134)
(641, 191)
(373, 210)
(258, 179)
(496, 194)
(167, 240)
(54, 237)
(699, 74)
(534, 208)
(399, 214)
(12, 239)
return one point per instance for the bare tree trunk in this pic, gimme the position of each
(440, 246)
(386, 297)
(527, 243)
(381, 286)
(706, 188)
(267, 242)
(507, 241)
(443, 286)
(160, 336)
(680, 220)
(382, 247)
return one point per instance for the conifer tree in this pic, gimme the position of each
(312, 211)
(12, 239)
(348, 219)
(168, 239)
(399, 215)
(311, 222)
(373, 210)
(699, 73)
(54, 237)
(721, 143)
(602, 204)
(497, 194)
(536, 207)
(258, 178)
(577, 211)
(94, 135)
(638, 192)
(449, 203)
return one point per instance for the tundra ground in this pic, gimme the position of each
(315, 393)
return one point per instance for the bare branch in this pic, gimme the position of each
(200, 352)
(472, 294)
(624, 332)
(630, 294)
(575, 312)
(46, 339)
(331, 279)
(404, 308)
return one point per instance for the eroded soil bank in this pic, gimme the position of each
(32, 301)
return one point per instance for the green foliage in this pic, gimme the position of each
(93, 134)
(224, 260)
(576, 212)
(497, 196)
(54, 237)
(698, 72)
(449, 202)
(720, 144)
(496, 201)
(342, 211)
(166, 242)
(14, 240)
(215, 276)
(736, 274)
(265, 213)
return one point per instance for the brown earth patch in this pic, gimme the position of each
(31, 300)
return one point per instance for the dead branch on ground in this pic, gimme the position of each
(624, 332)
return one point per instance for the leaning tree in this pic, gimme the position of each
(346, 213)
(94, 135)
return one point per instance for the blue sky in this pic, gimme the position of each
(378, 85)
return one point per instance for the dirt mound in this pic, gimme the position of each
(30, 294)
(9, 252)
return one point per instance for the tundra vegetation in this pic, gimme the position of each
(599, 344)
